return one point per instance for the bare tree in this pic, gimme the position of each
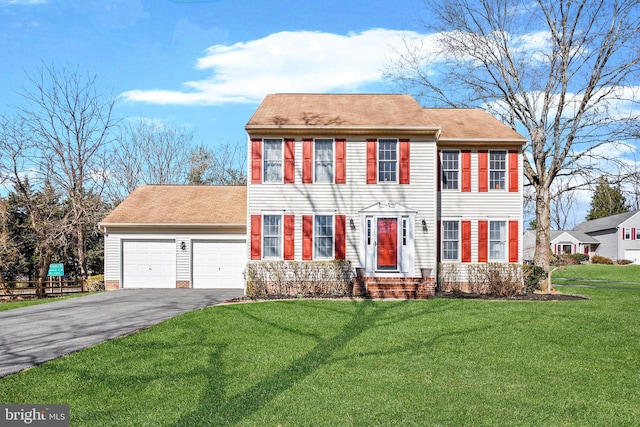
(226, 165)
(559, 71)
(149, 152)
(70, 123)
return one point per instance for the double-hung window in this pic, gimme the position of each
(323, 160)
(450, 170)
(450, 240)
(272, 236)
(497, 170)
(323, 236)
(497, 241)
(387, 160)
(272, 160)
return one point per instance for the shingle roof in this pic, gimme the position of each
(182, 205)
(578, 235)
(606, 223)
(375, 111)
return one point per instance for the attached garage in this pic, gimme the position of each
(216, 263)
(148, 263)
(632, 255)
(177, 236)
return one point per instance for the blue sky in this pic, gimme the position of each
(204, 64)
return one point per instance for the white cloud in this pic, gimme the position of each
(302, 61)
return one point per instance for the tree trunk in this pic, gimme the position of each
(543, 226)
(82, 254)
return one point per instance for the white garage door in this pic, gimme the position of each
(148, 264)
(632, 255)
(218, 263)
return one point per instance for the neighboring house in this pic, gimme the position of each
(172, 236)
(382, 182)
(619, 235)
(616, 237)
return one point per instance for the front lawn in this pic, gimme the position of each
(9, 305)
(624, 276)
(312, 362)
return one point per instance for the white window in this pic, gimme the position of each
(323, 236)
(450, 240)
(450, 170)
(497, 170)
(627, 233)
(369, 231)
(272, 236)
(404, 231)
(273, 160)
(637, 233)
(324, 160)
(497, 241)
(387, 160)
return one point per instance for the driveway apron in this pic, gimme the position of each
(33, 335)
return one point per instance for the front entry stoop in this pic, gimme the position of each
(393, 287)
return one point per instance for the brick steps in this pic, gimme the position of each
(403, 288)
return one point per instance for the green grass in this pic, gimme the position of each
(316, 363)
(9, 305)
(624, 276)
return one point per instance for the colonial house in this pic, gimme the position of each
(378, 180)
(616, 237)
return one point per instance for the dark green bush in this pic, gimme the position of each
(580, 258)
(533, 275)
(597, 259)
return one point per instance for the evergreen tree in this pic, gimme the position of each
(607, 200)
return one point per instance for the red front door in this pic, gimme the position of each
(387, 243)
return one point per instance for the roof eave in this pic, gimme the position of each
(481, 142)
(103, 225)
(279, 130)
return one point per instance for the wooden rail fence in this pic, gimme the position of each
(41, 288)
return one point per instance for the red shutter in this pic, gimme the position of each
(633, 234)
(371, 161)
(256, 161)
(483, 241)
(466, 241)
(341, 161)
(256, 236)
(439, 241)
(439, 161)
(307, 237)
(340, 239)
(405, 165)
(289, 226)
(483, 171)
(622, 233)
(289, 161)
(513, 241)
(555, 249)
(466, 171)
(307, 161)
(513, 171)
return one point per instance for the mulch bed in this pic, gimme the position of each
(529, 296)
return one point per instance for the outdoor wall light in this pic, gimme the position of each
(424, 225)
(183, 246)
(351, 224)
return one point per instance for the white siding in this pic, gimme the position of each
(350, 198)
(112, 262)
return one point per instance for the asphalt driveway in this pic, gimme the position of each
(33, 335)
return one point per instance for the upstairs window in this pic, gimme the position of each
(497, 170)
(272, 160)
(323, 156)
(450, 170)
(387, 160)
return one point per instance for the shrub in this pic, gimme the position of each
(533, 275)
(580, 258)
(624, 262)
(449, 278)
(500, 280)
(597, 259)
(298, 278)
(564, 259)
(94, 283)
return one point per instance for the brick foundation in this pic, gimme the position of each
(183, 284)
(392, 287)
(112, 285)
